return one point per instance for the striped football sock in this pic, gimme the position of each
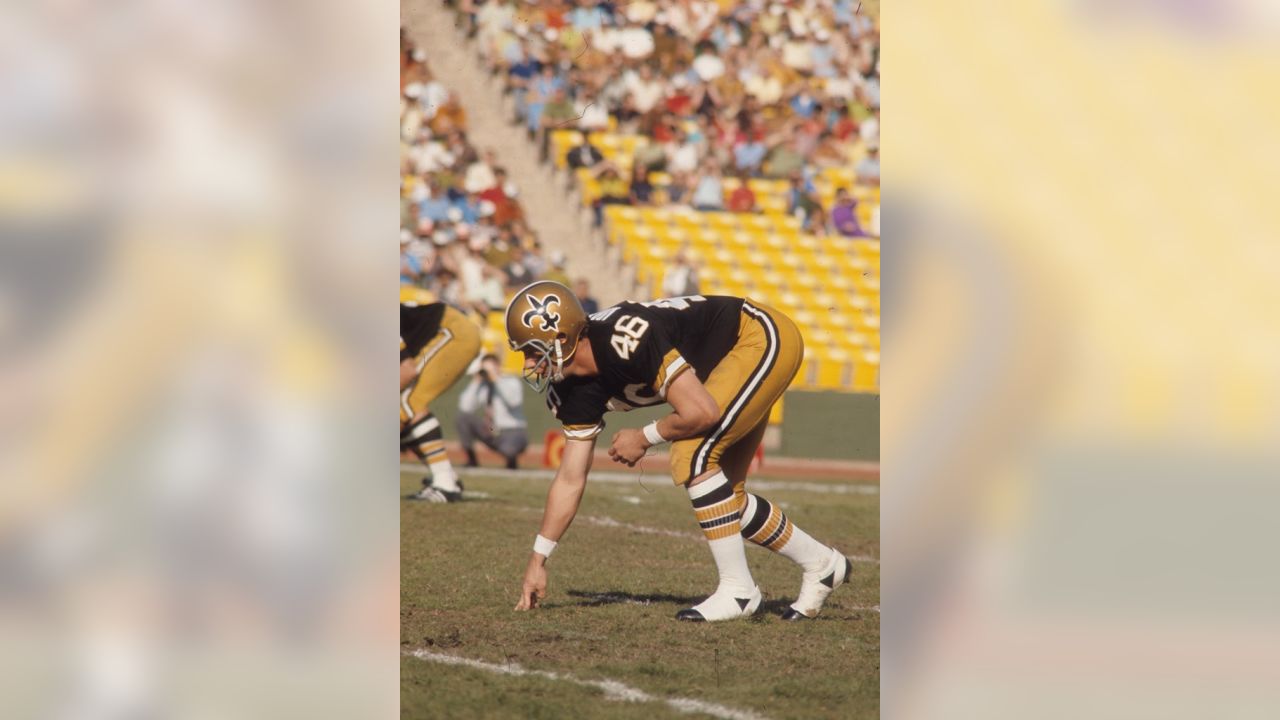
(426, 438)
(717, 509)
(764, 524)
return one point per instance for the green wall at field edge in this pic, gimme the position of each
(816, 424)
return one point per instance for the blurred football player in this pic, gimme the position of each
(721, 363)
(437, 343)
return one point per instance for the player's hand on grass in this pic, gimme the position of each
(535, 583)
(629, 445)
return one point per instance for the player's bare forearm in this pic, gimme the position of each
(693, 410)
(563, 499)
(565, 493)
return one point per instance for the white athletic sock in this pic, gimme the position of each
(443, 476)
(718, 512)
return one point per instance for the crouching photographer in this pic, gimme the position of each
(491, 412)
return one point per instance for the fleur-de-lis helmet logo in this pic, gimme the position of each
(541, 309)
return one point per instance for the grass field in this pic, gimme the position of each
(605, 644)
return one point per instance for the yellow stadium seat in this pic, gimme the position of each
(805, 319)
(774, 206)
(622, 212)
(807, 377)
(866, 374)
(775, 242)
(657, 216)
(805, 282)
(830, 375)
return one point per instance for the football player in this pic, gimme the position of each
(437, 343)
(721, 363)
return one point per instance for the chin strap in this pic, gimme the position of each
(558, 375)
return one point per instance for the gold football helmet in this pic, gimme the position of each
(547, 319)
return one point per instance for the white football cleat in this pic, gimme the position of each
(432, 494)
(723, 605)
(815, 587)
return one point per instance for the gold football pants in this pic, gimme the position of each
(442, 361)
(745, 385)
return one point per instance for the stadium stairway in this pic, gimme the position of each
(552, 213)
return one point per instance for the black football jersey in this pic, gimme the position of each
(418, 324)
(639, 349)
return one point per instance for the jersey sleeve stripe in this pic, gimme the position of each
(583, 432)
(672, 368)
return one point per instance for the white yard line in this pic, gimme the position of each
(612, 689)
(606, 521)
(623, 478)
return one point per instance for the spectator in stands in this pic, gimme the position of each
(628, 116)
(587, 17)
(708, 188)
(772, 90)
(533, 255)
(517, 269)
(449, 117)
(520, 76)
(653, 156)
(868, 168)
(556, 272)
(816, 220)
(681, 278)
(749, 154)
(706, 98)
(844, 215)
(592, 114)
(493, 291)
(435, 206)
(559, 112)
(491, 411)
(448, 288)
(641, 189)
(678, 189)
(584, 154)
(410, 266)
(502, 197)
(613, 191)
(480, 174)
(681, 153)
(786, 159)
(869, 130)
(708, 64)
(742, 199)
(645, 89)
(541, 91)
(582, 288)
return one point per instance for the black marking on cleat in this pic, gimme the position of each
(793, 615)
(742, 602)
(690, 615)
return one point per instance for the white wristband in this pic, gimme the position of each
(651, 434)
(543, 546)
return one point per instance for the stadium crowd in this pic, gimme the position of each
(762, 89)
(463, 235)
